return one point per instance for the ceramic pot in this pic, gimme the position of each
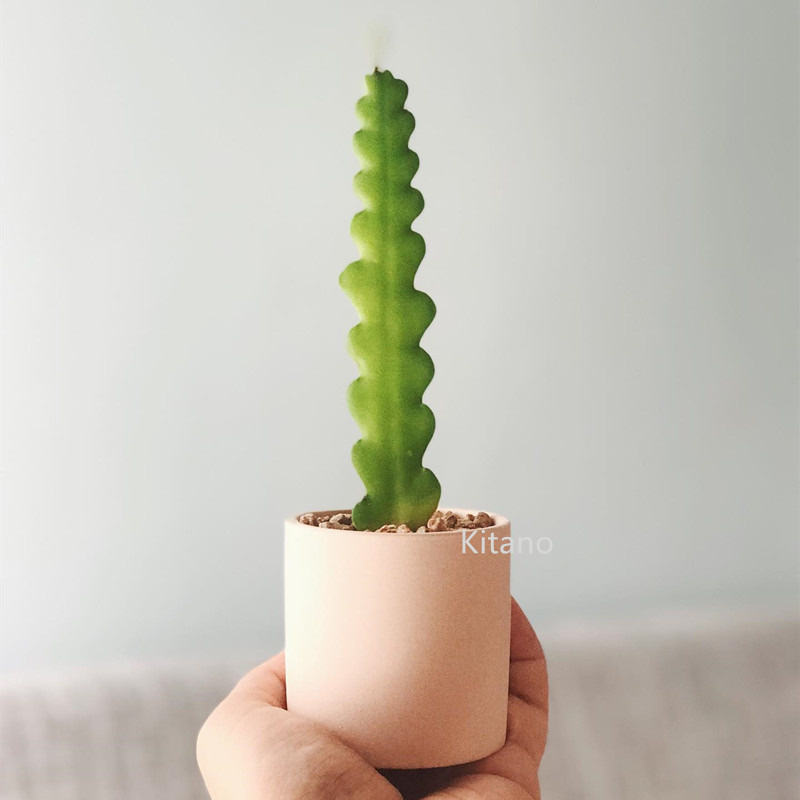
(399, 642)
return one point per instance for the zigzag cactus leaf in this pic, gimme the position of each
(394, 371)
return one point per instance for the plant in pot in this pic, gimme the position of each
(397, 613)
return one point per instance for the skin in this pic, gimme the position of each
(252, 748)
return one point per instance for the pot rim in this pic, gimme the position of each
(499, 522)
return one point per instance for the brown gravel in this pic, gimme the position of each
(341, 522)
(442, 520)
(450, 521)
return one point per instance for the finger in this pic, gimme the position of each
(528, 669)
(266, 683)
(251, 748)
(485, 786)
(512, 771)
(527, 701)
(524, 641)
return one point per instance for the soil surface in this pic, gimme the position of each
(442, 520)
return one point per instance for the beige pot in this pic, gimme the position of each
(398, 642)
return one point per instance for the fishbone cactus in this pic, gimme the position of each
(386, 398)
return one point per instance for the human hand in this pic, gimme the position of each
(252, 748)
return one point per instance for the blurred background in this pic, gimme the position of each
(612, 243)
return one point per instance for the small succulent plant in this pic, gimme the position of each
(394, 371)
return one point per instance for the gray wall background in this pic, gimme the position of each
(612, 230)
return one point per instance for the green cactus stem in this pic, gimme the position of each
(394, 371)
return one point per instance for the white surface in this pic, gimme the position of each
(706, 708)
(612, 241)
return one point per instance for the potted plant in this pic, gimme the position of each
(397, 613)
